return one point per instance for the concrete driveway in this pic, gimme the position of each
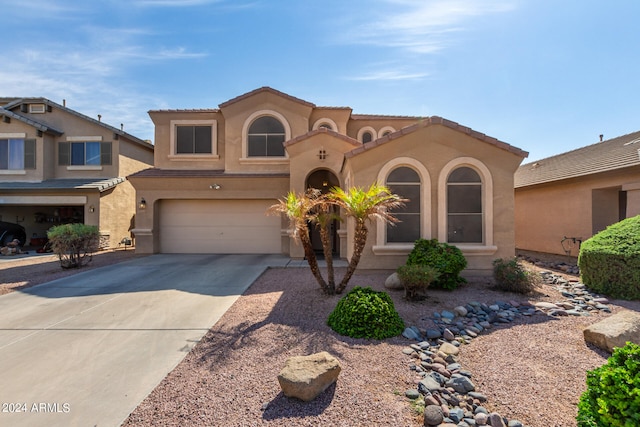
(87, 349)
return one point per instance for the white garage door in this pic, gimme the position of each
(218, 226)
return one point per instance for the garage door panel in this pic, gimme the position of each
(227, 226)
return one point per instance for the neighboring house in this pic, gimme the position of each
(565, 199)
(58, 166)
(217, 171)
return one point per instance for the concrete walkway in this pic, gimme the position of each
(87, 349)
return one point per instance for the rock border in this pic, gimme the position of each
(449, 395)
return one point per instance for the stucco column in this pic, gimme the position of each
(633, 198)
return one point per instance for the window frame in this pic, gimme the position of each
(173, 140)
(401, 212)
(325, 122)
(105, 150)
(486, 247)
(245, 159)
(381, 246)
(365, 129)
(28, 156)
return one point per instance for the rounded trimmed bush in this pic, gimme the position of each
(613, 391)
(511, 276)
(610, 260)
(416, 279)
(447, 259)
(366, 313)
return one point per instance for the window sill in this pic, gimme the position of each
(84, 168)
(193, 157)
(264, 160)
(477, 249)
(13, 172)
(393, 249)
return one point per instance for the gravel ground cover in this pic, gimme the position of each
(532, 370)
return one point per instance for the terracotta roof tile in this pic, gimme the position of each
(617, 153)
(435, 120)
(265, 89)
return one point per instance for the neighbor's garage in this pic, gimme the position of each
(218, 226)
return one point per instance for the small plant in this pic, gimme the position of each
(612, 397)
(74, 243)
(416, 279)
(511, 276)
(365, 313)
(447, 259)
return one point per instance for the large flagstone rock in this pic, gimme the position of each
(305, 377)
(614, 331)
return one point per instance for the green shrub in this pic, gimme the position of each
(365, 313)
(74, 243)
(416, 279)
(445, 258)
(511, 276)
(610, 261)
(612, 397)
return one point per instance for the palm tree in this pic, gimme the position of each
(362, 205)
(299, 209)
(323, 215)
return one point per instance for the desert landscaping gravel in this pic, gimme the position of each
(532, 369)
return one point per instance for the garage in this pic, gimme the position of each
(218, 226)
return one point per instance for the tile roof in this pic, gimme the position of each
(200, 173)
(37, 125)
(383, 117)
(335, 134)
(617, 153)
(20, 101)
(265, 89)
(435, 120)
(101, 184)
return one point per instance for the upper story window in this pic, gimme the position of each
(367, 134)
(386, 131)
(17, 154)
(193, 139)
(265, 138)
(85, 153)
(464, 206)
(367, 137)
(326, 123)
(405, 182)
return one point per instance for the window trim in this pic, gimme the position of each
(23, 137)
(85, 139)
(325, 121)
(361, 131)
(173, 125)
(245, 139)
(487, 247)
(381, 247)
(384, 129)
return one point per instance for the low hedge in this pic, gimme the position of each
(610, 260)
(448, 260)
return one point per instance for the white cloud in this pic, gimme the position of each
(419, 26)
(389, 75)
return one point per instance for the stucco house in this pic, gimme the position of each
(565, 199)
(59, 166)
(217, 171)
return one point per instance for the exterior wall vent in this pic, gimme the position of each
(37, 108)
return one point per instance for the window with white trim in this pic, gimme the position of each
(405, 182)
(265, 138)
(17, 154)
(464, 206)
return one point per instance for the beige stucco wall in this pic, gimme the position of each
(546, 213)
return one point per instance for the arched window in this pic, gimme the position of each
(367, 137)
(405, 182)
(265, 138)
(464, 206)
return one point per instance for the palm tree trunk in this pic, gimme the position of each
(310, 255)
(325, 236)
(359, 241)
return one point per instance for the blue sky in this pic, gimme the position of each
(546, 76)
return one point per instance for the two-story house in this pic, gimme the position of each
(217, 171)
(59, 166)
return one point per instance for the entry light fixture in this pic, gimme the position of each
(215, 186)
(92, 209)
(143, 203)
